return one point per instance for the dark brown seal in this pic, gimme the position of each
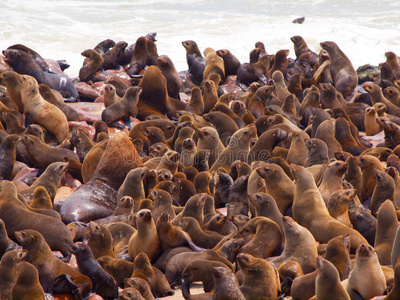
(120, 156)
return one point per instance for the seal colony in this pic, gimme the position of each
(272, 178)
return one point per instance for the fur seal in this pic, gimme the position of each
(103, 283)
(17, 216)
(112, 57)
(386, 228)
(296, 235)
(342, 71)
(145, 239)
(99, 240)
(225, 284)
(8, 153)
(338, 204)
(13, 85)
(259, 229)
(49, 180)
(133, 185)
(9, 271)
(237, 149)
(174, 83)
(171, 236)
(279, 185)
(54, 97)
(139, 57)
(108, 176)
(24, 61)
(50, 267)
(231, 62)
(124, 108)
(310, 211)
(38, 110)
(196, 103)
(42, 155)
(93, 63)
(196, 62)
(214, 64)
(261, 280)
(327, 283)
(366, 280)
(27, 285)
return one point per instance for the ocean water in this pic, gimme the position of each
(56, 29)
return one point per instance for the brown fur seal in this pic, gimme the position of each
(133, 185)
(17, 216)
(300, 47)
(366, 279)
(103, 283)
(154, 98)
(310, 211)
(6, 244)
(371, 124)
(261, 280)
(338, 204)
(93, 64)
(13, 85)
(50, 267)
(327, 283)
(196, 103)
(278, 185)
(174, 83)
(108, 176)
(214, 64)
(124, 108)
(50, 180)
(342, 71)
(258, 229)
(9, 271)
(178, 262)
(238, 148)
(296, 235)
(199, 270)
(280, 63)
(171, 236)
(8, 153)
(384, 190)
(27, 285)
(231, 62)
(225, 284)
(42, 155)
(142, 269)
(198, 236)
(111, 57)
(99, 240)
(368, 164)
(139, 57)
(37, 110)
(110, 95)
(54, 97)
(331, 180)
(92, 159)
(210, 95)
(265, 205)
(145, 239)
(209, 140)
(130, 293)
(386, 228)
(196, 62)
(394, 293)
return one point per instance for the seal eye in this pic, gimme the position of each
(141, 214)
